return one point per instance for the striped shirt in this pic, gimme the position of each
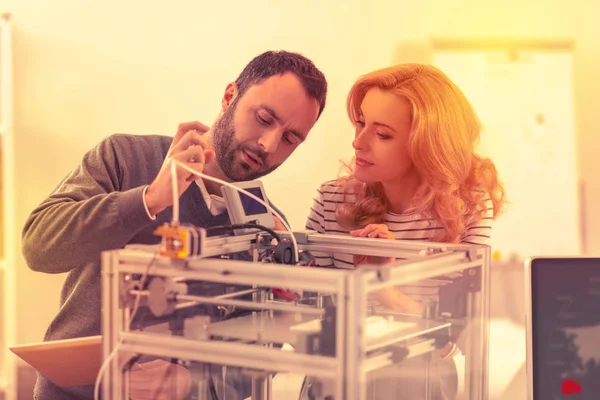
(415, 227)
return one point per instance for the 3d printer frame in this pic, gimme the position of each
(343, 371)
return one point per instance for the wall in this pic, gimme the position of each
(84, 70)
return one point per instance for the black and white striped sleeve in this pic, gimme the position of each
(316, 222)
(316, 216)
(478, 230)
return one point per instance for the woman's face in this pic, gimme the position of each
(381, 141)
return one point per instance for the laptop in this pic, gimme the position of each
(562, 296)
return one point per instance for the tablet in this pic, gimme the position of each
(70, 362)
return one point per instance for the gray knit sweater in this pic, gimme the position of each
(98, 207)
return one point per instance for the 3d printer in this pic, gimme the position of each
(340, 336)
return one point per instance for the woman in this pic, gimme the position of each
(415, 174)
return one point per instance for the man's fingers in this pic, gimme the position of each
(193, 154)
(194, 125)
(194, 159)
(185, 127)
(190, 138)
(198, 167)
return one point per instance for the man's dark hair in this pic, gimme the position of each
(273, 63)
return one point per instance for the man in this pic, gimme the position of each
(122, 191)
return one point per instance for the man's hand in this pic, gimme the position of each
(159, 380)
(189, 147)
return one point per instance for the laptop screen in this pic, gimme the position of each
(565, 322)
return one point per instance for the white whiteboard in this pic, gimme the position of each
(525, 102)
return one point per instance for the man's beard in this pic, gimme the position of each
(227, 148)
